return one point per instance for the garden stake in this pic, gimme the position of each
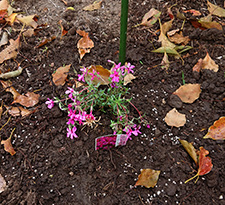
(123, 31)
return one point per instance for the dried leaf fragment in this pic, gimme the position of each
(128, 78)
(64, 32)
(175, 119)
(11, 50)
(28, 20)
(4, 39)
(59, 77)
(178, 38)
(193, 12)
(148, 178)
(85, 44)
(18, 111)
(216, 10)
(190, 149)
(2, 184)
(188, 93)
(8, 146)
(209, 63)
(204, 164)
(150, 18)
(96, 5)
(198, 66)
(217, 130)
(102, 75)
(28, 100)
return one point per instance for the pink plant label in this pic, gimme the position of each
(109, 141)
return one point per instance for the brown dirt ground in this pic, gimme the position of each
(49, 168)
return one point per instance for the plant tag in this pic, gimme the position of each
(109, 141)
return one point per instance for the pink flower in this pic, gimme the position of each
(94, 75)
(148, 126)
(71, 132)
(70, 92)
(115, 76)
(84, 73)
(136, 130)
(129, 68)
(50, 103)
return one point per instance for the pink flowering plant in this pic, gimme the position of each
(100, 93)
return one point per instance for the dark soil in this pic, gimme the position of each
(49, 168)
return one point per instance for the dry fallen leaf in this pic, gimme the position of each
(128, 78)
(198, 66)
(188, 93)
(217, 130)
(96, 5)
(175, 119)
(28, 100)
(103, 75)
(216, 10)
(148, 178)
(45, 41)
(2, 184)
(28, 20)
(194, 12)
(209, 63)
(4, 4)
(59, 77)
(190, 149)
(18, 111)
(85, 44)
(11, 50)
(178, 38)
(8, 146)
(4, 39)
(11, 19)
(204, 164)
(150, 18)
(165, 62)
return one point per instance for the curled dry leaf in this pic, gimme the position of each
(190, 150)
(217, 130)
(18, 111)
(209, 63)
(2, 184)
(11, 74)
(175, 119)
(128, 78)
(148, 178)
(216, 10)
(11, 19)
(8, 146)
(28, 100)
(59, 77)
(45, 41)
(28, 20)
(204, 164)
(198, 66)
(64, 32)
(188, 93)
(103, 75)
(11, 50)
(85, 44)
(150, 18)
(96, 5)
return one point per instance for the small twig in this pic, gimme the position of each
(64, 2)
(110, 153)
(140, 199)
